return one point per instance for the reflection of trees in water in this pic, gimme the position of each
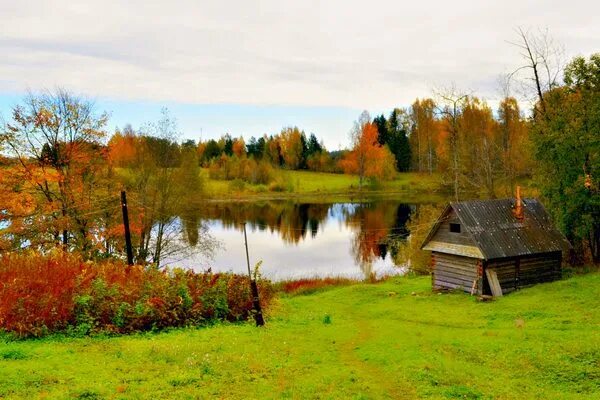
(377, 226)
(191, 226)
(293, 221)
(408, 252)
(186, 235)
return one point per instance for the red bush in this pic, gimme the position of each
(311, 284)
(58, 292)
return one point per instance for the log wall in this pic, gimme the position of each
(451, 272)
(454, 272)
(515, 273)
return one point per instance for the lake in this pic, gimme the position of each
(306, 239)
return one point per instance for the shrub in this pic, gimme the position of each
(260, 189)
(375, 184)
(278, 186)
(243, 169)
(263, 173)
(60, 292)
(282, 183)
(237, 185)
(310, 285)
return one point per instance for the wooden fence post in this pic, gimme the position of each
(258, 317)
(128, 246)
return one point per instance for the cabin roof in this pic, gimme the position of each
(498, 233)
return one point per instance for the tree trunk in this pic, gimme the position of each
(159, 240)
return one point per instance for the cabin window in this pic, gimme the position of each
(454, 227)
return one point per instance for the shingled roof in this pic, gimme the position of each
(498, 233)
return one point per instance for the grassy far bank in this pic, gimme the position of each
(308, 183)
(390, 340)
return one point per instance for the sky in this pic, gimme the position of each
(252, 67)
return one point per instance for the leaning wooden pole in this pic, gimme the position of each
(128, 246)
(258, 317)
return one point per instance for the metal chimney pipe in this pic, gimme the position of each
(519, 205)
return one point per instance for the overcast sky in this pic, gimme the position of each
(251, 67)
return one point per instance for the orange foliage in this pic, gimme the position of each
(54, 292)
(239, 147)
(201, 149)
(122, 149)
(368, 158)
(310, 285)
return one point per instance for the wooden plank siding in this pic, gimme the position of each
(518, 272)
(472, 237)
(444, 241)
(444, 235)
(450, 271)
(453, 272)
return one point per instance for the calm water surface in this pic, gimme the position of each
(299, 240)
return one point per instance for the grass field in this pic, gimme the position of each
(310, 184)
(389, 340)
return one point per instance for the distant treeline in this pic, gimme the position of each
(489, 150)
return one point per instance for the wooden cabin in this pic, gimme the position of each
(490, 247)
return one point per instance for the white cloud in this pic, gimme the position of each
(336, 53)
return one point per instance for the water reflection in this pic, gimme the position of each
(376, 226)
(296, 240)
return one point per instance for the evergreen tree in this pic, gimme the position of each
(252, 148)
(261, 144)
(313, 145)
(228, 144)
(189, 144)
(304, 157)
(398, 141)
(212, 150)
(383, 135)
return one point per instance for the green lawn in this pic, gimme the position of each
(390, 340)
(311, 184)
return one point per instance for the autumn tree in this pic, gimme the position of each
(514, 142)
(479, 147)
(239, 147)
(423, 137)
(122, 147)
(368, 159)
(292, 147)
(164, 185)
(450, 104)
(273, 150)
(56, 140)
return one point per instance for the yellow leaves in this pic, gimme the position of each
(44, 117)
(290, 142)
